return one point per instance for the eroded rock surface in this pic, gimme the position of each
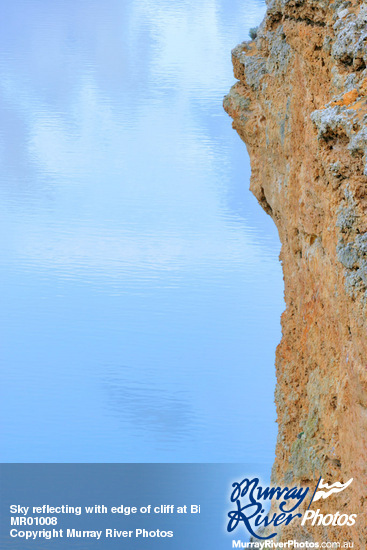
(300, 105)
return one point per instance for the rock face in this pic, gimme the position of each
(300, 105)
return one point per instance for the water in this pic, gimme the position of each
(141, 288)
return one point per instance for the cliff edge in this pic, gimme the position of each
(300, 105)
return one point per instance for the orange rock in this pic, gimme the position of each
(350, 97)
(309, 175)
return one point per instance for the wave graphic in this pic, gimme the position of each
(333, 488)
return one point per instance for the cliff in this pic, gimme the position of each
(300, 105)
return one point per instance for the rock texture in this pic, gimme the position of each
(300, 105)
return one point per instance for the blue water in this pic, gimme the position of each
(140, 284)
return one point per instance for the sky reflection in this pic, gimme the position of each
(141, 283)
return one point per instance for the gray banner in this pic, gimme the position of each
(132, 506)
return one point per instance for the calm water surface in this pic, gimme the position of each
(141, 289)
